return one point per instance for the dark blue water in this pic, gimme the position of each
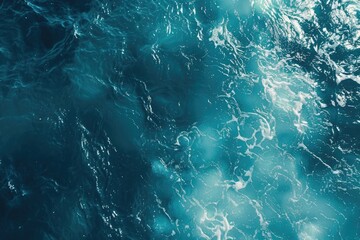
(217, 119)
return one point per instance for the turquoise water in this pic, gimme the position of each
(227, 119)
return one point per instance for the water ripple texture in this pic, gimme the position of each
(159, 119)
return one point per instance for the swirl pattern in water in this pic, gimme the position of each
(203, 119)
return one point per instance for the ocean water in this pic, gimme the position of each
(159, 119)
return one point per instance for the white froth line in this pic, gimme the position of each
(336, 172)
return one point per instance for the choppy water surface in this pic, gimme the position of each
(216, 119)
